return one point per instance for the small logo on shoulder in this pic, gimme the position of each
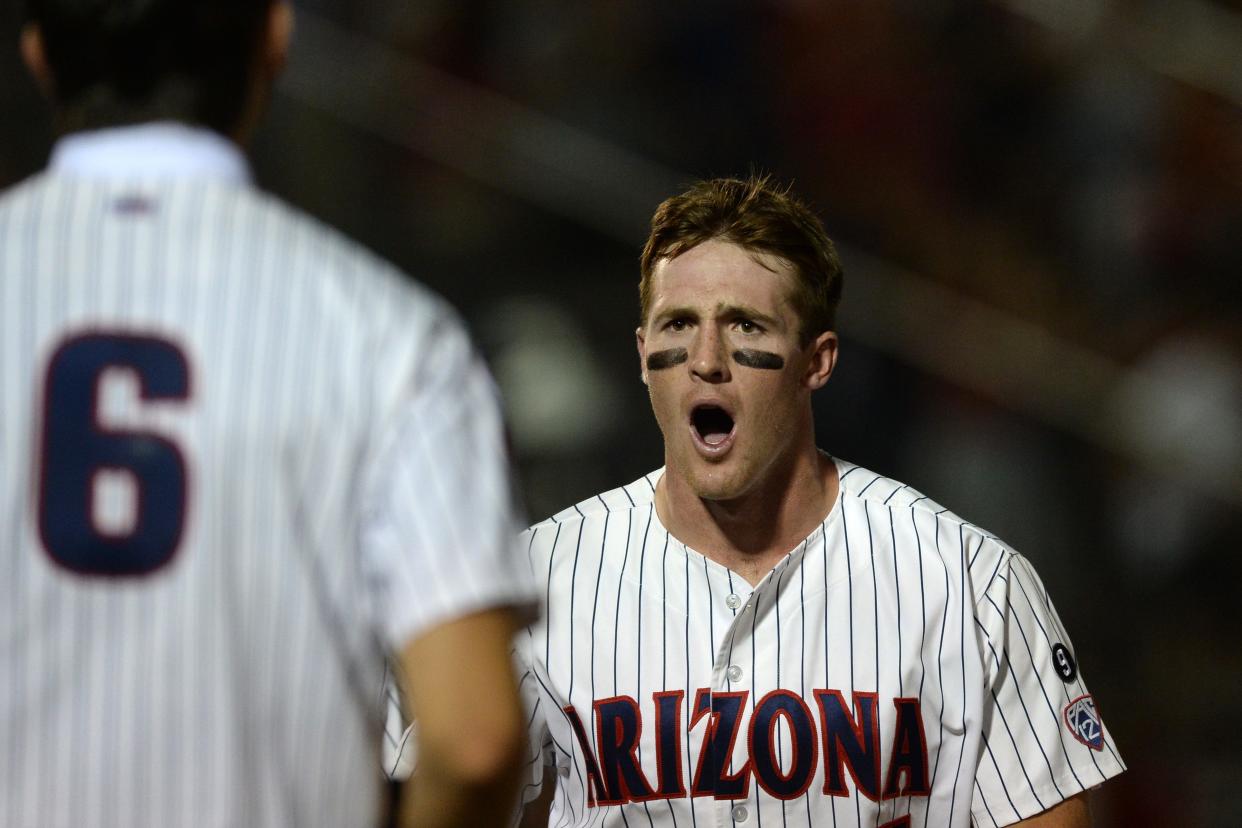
(1084, 722)
(1066, 668)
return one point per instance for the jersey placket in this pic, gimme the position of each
(735, 684)
(729, 698)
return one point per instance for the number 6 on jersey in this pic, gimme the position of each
(77, 448)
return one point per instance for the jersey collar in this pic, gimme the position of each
(164, 149)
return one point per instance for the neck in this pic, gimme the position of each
(752, 533)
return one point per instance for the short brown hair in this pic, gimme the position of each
(760, 217)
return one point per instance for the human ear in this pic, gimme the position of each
(823, 360)
(278, 35)
(642, 353)
(34, 55)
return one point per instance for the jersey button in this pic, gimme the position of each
(733, 601)
(734, 673)
(740, 813)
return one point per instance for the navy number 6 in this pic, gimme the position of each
(77, 448)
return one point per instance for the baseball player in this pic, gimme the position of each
(760, 634)
(245, 465)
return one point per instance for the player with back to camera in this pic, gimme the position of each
(245, 465)
(762, 634)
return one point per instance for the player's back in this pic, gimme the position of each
(186, 369)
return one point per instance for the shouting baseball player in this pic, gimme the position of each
(762, 634)
(245, 465)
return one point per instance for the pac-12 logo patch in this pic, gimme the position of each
(1084, 722)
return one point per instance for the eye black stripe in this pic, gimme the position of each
(751, 358)
(660, 360)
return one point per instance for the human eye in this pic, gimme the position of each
(749, 326)
(677, 324)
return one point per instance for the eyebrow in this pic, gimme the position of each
(720, 311)
(736, 311)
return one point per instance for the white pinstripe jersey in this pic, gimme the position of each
(242, 461)
(900, 667)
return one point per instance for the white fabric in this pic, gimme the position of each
(345, 489)
(162, 149)
(892, 605)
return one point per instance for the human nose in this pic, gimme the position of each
(707, 357)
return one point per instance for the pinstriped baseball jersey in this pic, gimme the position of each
(900, 667)
(242, 461)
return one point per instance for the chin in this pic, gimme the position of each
(715, 483)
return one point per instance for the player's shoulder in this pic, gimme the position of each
(968, 552)
(863, 484)
(865, 487)
(382, 322)
(351, 277)
(18, 200)
(637, 494)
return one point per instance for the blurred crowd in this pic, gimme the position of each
(1041, 158)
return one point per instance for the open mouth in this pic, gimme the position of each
(712, 424)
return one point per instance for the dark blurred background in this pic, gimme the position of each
(1038, 203)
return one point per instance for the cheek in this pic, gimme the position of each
(663, 402)
(777, 400)
(772, 388)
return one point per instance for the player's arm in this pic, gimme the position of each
(460, 686)
(1074, 812)
(438, 546)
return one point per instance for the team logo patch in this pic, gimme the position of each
(1084, 722)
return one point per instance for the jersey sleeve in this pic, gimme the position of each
(539, 749)
(399, 750)
(1043, 740)
(439, 530)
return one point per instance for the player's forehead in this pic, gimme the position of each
(717, 276)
